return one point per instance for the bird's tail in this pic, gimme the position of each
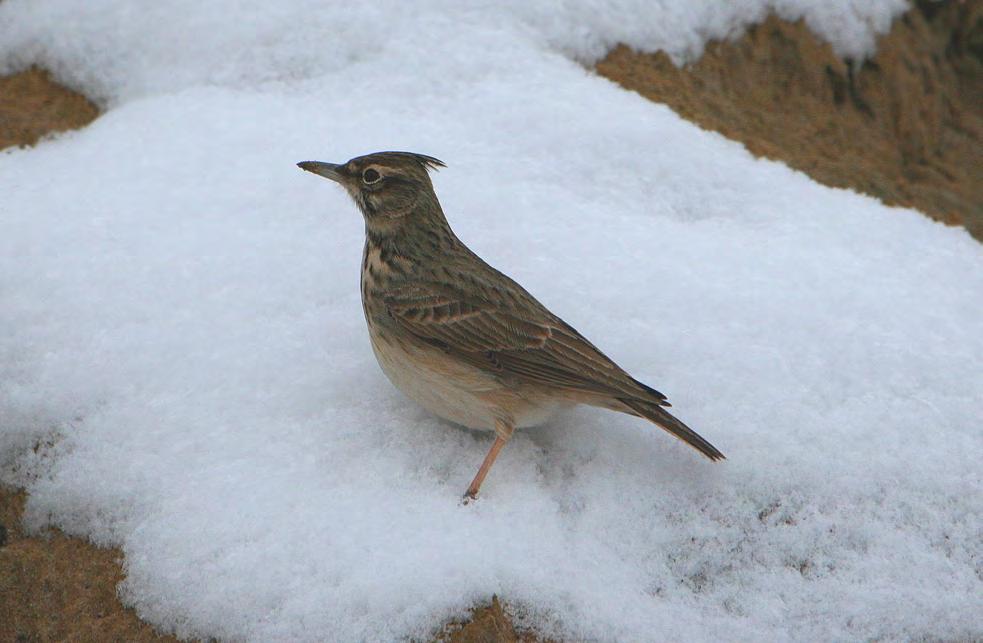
(655, 413)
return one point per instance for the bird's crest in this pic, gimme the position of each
(391, 158)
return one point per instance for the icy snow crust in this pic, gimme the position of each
(184, 369)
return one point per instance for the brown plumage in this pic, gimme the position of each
(458, 336)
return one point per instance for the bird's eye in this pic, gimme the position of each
(371, 176)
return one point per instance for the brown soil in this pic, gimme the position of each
(56, 588)
(488, 624)
(906, 126)
(32, 105)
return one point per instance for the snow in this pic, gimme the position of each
(185, 373)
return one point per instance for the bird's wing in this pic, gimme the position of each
(507, 332)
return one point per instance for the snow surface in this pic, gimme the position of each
(184, 370)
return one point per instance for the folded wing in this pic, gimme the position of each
(520, 337)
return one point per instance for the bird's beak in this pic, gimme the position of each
(327, 170)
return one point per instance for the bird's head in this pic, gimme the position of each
(388, 187)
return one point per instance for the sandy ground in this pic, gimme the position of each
(32, 106)
(57, 588)
(906, 127)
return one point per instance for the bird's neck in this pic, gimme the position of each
(395, 255)
(420, 233)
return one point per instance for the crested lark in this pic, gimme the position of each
(458, 336)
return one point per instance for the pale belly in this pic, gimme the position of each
(459, 392)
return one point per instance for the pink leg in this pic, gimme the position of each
(504, 433)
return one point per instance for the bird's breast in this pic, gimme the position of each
(441, 382)
(447, 388)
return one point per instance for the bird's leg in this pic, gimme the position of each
(503, 432)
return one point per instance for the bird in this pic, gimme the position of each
(459, 337)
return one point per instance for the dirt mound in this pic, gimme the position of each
(56, 588)
(32, 105)
(905, 127)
